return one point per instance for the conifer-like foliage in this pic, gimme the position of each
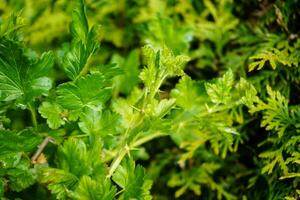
(150, 99)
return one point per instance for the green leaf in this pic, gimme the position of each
(53, 113)
(20, 178)
(219, 92)
(163, 107)
(276, 158)
(15, 168)
(14, 151)
(89, 189)
(188, 93)
(10, 26)
(247, 92)
(43, 66)
(21, 77)
(60, 182)
(164, 60)
(192, 179)
(124, 108)
(161, 64)
(88, 91)
(273, 56)
(159, 109)
(74, 160)
(79, 26)
(276, 112)
(132, 180)
(109, 71)
(102, 123)
(130, 66)
(164, 31)
(73, 157)
(23, 141)
(75, 60)
(290, 175)
(11, 159)
(84, 44)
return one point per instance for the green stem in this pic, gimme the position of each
(218, 109)
(157, 86)
(117, 162)
(147, 138)
(122, 153)
(33, 115)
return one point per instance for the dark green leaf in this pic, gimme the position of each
(20, 76)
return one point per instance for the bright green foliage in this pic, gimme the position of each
(186, 91)
(75, 161)
(283, 119)
(75, 97)
(194, 177)
(162, 31)
(210, 111)
(130, 66)
(132, 180)
(97, 122)
(89, 91)
(215, 27)
(161, 64)
(248, 92)
(276, 115)
(89, 189)
(53, 113)
(184, 99)
(285, 56)
(220, 92)
(272, 57)
(209, 116)
(59, 182)
(218, 31)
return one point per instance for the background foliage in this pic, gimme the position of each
(150, 99)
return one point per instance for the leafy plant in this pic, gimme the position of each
(184, 99)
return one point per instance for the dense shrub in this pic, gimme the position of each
(184, 99)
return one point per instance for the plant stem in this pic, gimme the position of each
(157, 86)
(116, 162)
(33, 115)
(147, 139)
(41, 147)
